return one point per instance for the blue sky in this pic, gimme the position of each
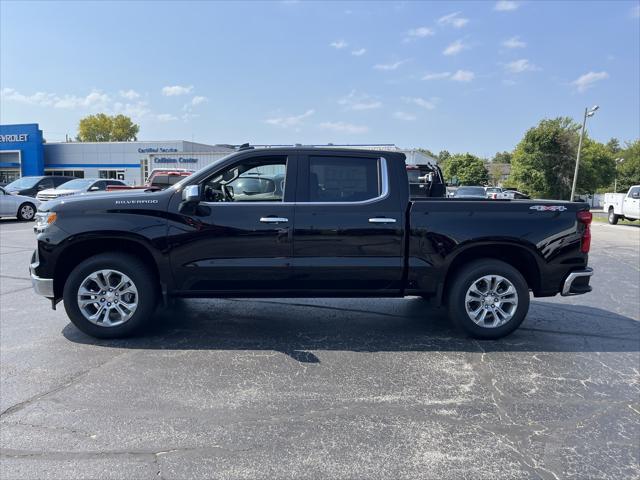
(462, 76)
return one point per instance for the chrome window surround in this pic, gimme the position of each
(384, 193)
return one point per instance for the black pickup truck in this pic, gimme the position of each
(334, 223)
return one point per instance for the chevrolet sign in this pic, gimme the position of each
(16, 137)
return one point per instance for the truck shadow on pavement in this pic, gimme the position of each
(300, 327)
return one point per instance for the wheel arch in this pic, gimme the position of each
(518, 256)
(80, 249)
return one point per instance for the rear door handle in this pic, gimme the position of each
(273, 219)
(382, 220)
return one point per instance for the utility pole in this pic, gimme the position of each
(587, 113)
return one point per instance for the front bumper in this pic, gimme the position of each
(577, 282)
(42, 286)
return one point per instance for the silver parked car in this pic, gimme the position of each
(79, 185)
(19, 206)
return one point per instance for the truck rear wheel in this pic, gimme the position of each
(110, 295)
(488, 299)
(613, 218)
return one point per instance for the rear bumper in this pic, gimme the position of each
(577, 282)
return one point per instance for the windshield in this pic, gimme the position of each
(78, 184)
(476, 191)
(24, 182)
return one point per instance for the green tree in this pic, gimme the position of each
(467, 168)
(105, 128)
(613, 145)
(597, 167)
(443, 156)
(543, 162)
(628, 172)
(502, 157)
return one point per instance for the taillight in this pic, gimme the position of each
(585, 218)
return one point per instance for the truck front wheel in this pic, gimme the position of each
(488, 299)
(613, 218)
(110, 295)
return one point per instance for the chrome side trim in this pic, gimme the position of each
(273, 219)
(566, 287)
(42, 286)
(382, 220)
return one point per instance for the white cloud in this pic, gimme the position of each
(198, 99)
(586, 81)
(635, 12)
(455, 48)
(339, 44)
(166, 117)
(344, 127)
(359, 52)
(436, 76)
(453, 20)
(520, 66)
(290, 121)
(421, 102)
(359, 101)
(409, 117)
(390, 66)
(175, 90)
(129, 94)
(463, 76)
(514, 42)
(506, 6)
(95, 99)
(419, 32)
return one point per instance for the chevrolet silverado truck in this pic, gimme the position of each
(342, 224)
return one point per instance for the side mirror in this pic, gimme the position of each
(191, 193)
(94, 189)
(635, 195)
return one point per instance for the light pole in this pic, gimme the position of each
(587, 113)
(615, 179)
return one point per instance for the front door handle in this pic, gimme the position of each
(382, 220)
(273, 219)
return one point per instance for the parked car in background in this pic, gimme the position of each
(508, 195)
(19, 206)
(159, 179)
(620, 206)
(30, 186)
(79, 185)
(493, 192)
(470, 192)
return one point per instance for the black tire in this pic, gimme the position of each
(145, 283)
(26, 212)
(463, 280)
(612, 217)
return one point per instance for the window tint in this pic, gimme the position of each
(255, 180)
(634, 191)
(343, 179)
(46, 183)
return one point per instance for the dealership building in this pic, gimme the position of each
(23, 152)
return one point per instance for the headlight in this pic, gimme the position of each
(44, 219)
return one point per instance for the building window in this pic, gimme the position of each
(65, 173)
(111, 174)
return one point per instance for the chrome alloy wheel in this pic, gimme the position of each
(27, 212)
(107, 298)
(491, 301)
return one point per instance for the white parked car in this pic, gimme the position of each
(623, 205)
(79, 185)
(20, 206)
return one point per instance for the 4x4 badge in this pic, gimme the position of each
(548, 208)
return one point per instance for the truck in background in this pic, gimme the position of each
(620, 206)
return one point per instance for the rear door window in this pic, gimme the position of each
(343, 179)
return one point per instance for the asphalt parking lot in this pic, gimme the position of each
(348, 388)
